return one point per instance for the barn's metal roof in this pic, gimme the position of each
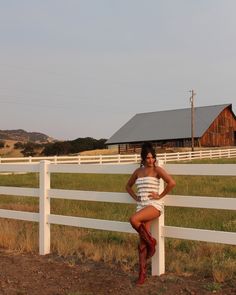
(164, 125)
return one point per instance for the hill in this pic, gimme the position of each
(24, 136)
(18, 143)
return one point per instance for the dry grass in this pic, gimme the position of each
(113, 151)
(22, 236)
(204, 259)
(182, 257)
(9, 151)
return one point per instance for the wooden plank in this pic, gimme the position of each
(27, 167)
(202, 169)
(91, 223)
(200, 202)
(19, 191)
(112, 197)
(19, 215)
(94, 168)
(199, 235)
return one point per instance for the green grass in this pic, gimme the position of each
(186, 185)
(208, 161)
(181, 255)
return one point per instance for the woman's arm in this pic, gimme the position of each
(170, 183)
(130, 184)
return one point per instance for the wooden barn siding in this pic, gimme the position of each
(221, 131)
(129, 148)
(135, 148)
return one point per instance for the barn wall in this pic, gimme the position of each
(135, 148)
(221, 132)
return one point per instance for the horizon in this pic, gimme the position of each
(18, 129)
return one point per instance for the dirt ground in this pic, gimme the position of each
(24, 273)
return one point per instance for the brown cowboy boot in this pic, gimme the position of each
(142, 251)
(149, 240)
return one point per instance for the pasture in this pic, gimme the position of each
(182, 257)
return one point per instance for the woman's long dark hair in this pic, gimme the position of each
(146, 149)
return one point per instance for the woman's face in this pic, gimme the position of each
(149, 161)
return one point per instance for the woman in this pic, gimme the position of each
(149, 202)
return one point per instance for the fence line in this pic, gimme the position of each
(159, 230)
(131, 158)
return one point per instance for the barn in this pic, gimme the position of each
(214, 126)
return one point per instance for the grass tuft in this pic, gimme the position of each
(182, 256)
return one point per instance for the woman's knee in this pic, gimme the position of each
(133, 220)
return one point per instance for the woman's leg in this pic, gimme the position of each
(148, 225)
(150, 250)
(145, 215)
(141, 221)
(145, 249)
(142, 254)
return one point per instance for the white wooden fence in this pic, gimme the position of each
(131, 158)
(159, 230)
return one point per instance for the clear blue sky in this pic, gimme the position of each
(84, 67)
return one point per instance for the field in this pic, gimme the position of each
(182, 257)
(9, 150)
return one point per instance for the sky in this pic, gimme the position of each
(84, 68)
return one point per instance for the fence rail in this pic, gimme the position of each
(132, 158)
(159, 230)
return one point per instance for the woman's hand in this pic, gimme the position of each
(138, 199)
(154, 196)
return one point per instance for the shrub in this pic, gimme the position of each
(73, 146)
(19, 145)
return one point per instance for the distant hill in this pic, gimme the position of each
(24, 136)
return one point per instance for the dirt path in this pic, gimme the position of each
(23, 273)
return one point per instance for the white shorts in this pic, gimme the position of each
(155, 203)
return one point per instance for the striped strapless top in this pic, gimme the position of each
(145, 186)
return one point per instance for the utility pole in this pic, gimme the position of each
(192, 117)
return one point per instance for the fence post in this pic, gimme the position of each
(190, 156)
(119, 159)
(44, 208)
(210, 154)
(220, 154)
(158, 260)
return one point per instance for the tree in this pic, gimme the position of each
(2, 144)
(73, 146)
(19, 145)
(57, 148)
(30, 149)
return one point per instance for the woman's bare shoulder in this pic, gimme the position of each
(137, 171)
(133, 177)
(159, 171)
